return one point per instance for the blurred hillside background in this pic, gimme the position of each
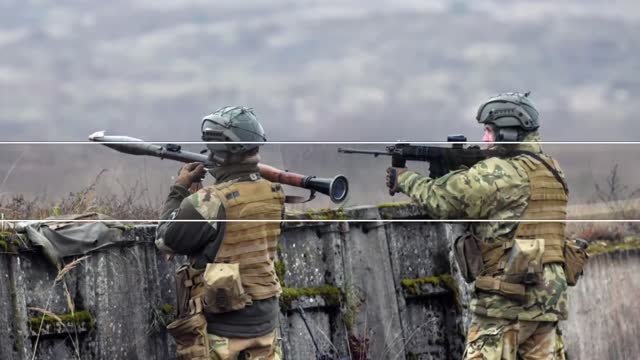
(349, 70)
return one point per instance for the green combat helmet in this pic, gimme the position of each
(511, 114)
(232, 123)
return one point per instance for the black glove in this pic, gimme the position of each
(190, 173)
(392, 179)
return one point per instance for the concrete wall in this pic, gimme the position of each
(123, 287)
(368, 261)
(604, 313)
(127, 287)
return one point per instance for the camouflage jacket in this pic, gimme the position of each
(494, 189)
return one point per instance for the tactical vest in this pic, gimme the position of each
(252, 244)
(548, 201)
(243, 269)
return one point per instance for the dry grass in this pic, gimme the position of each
(605, 231)
(131, 202)
(612, 200)
(70, 266)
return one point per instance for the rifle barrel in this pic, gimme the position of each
(356, 151)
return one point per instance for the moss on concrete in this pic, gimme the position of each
(451, 283)
(160, 318)
(5, 241)
(319, 214)
(10, 241)
(330, 294)
(279, 265)
(413, 286)
(77, 318)
(167, 308)
(393, 205)
(400, 210)
(280, 271)
(602, 247)
(350, 307)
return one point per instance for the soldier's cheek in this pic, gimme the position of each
(488, 136)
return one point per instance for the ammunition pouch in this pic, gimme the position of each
(510, 266)
(190, 334)
(575, 258)
(187, 278)
(215, 289)
(523, 263)
(222, 289)
(466, 250)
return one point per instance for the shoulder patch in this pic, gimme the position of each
(206, 202)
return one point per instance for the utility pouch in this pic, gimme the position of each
(186, 278)
(523, 263)
(182, 292)
(223, 290)
(190, 334)
(466, 250)
(575, 258)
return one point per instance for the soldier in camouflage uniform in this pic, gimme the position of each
(239, 193)
(510, 320)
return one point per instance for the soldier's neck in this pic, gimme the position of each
(232, 172)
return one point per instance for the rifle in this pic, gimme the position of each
(336, 188)
(441, 159)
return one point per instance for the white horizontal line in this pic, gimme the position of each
(315, 142)
(336, 221)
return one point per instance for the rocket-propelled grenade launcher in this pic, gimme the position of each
(336, 188)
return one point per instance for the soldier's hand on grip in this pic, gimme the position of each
(392, 179)
(190, 173)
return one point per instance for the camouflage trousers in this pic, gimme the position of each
(502, 339)
(265, 347)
